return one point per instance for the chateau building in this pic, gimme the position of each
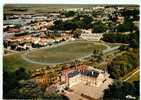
(87, 77)
(82, 74)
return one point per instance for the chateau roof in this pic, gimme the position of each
(91, 73)
(74, 73)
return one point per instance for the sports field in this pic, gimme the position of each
(15, 61)
(63, 53)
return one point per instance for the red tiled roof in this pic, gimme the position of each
(11, 30)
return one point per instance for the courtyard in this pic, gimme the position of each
(85, 91)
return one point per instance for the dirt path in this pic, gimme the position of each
(131, 75)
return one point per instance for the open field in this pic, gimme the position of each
(56, 54)
(44, 8)
(15, 61)
(63, 53)
(39, 8)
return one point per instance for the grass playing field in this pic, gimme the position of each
(15, 61)
(57, 54)
(64, 53)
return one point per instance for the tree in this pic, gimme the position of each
(83, 21)
(11, 83)
(123, 64)
(99, 28)
(127, 26)
(116, 38)
(123, 47)
(97, 55)
(94, 13)
(76, 33)
(112, 26)
(134, 40)
(128, 13)
(21, 74)
(119, 90)
(30, 90)
(69, 13)
(69, 25)
(59, 25)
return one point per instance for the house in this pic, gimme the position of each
(13, 30)
(88, 35)
(120, 19)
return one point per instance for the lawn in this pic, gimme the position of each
(14, 61)
(63, 53)
(52, 55)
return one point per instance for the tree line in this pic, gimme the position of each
(132, 39)
(119, 90)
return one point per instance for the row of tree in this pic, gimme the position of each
(86, 22)
(132, 38)
(131, 13)
(126, 26)
(83, 21)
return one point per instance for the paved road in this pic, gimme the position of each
(131, 75)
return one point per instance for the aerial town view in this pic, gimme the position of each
(71, 52)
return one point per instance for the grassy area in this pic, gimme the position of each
(57, 54)
(64, 53)
(38, 8)
(134, 78)
(14, 61)
(42, 8)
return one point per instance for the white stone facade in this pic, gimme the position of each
(91, 81)
(88, 35)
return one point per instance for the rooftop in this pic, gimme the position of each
(91, 73)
